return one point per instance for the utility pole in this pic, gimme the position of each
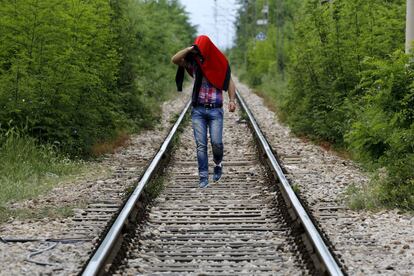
(409, 31)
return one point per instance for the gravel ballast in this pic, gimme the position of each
(115, 175)
(367, 243)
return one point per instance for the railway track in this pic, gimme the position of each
(248, 223)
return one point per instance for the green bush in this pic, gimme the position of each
(336, 73)
(56, 71)
(382, 132)
(77, 73)
(333, 39)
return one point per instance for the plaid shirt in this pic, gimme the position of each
(208, 93)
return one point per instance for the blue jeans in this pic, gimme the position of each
(212, 118)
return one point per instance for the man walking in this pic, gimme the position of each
(211, 72)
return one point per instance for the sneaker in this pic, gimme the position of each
(203, 182)
(218, 171)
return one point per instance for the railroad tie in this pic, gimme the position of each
(232, 227)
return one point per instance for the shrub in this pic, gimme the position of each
(382, 132)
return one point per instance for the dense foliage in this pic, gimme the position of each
(75, 73)
(338, 74)
(27, 169)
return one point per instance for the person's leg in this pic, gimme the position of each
(215, 124)
(199, 122)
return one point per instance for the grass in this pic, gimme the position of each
(121, 140)
(273, 91)
(296, 188)
(244, 116)
(363, 197)
(155, 187)
(28, 169)
(174, 118)
(377, 194)
(38, 213)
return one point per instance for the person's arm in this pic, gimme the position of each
(179, 57)
(232, 96)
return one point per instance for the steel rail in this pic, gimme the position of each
(98, 260)
(319, 245)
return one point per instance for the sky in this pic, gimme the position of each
(220, 31)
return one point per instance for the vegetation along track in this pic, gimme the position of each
(244, 224)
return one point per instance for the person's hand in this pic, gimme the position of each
(232, 106)
(191, 49)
